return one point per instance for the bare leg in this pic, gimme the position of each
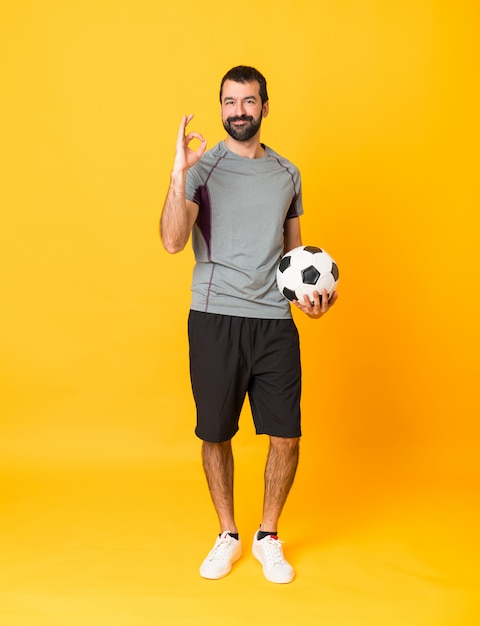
(282, 462)
(218, 465)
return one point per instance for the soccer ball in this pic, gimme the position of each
(304, 270)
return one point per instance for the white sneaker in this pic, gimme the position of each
(221, 557)
(270, 554)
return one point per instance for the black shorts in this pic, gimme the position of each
(233, 356)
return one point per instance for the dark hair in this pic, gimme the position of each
(246, 74)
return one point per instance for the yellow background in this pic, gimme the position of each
(105, 516)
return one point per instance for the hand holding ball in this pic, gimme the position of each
(304, 270)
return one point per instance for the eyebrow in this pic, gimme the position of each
(252, 97)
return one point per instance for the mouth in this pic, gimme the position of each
(239, 121)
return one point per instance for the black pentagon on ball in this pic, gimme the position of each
(313, 249)
(289, 294)
(284, 263)
(335, 272)
(310, 275)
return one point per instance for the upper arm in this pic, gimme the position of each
(192, 213)
(292, 237)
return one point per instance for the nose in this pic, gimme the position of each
(239, 109)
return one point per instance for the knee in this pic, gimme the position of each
(216, 450)
(287, 444)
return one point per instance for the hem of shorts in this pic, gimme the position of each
(261, 432)
(209, 440)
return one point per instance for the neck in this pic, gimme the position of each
(251, 149)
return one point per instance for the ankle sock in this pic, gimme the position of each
(234, 535)
(261, 534)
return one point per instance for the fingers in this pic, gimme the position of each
(320, 305)
(185, 156)
(201, 148)
(185, 138)
(186, 119)
(193, 135)
(333, 298)
(181, 128)
(325, 301)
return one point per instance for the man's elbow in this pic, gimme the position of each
(172, 246)
(173, 249)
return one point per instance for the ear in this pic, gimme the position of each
(265, 109)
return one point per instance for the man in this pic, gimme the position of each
(241, 201)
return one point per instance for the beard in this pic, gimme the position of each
(246, 132)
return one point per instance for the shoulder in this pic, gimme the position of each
(281, 160)
(218, 151)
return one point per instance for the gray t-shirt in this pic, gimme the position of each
(238, 236)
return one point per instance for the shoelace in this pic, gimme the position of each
(219, 551)
(273, 550)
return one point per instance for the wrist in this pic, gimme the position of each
(178, 176)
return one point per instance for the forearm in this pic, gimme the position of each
(175, 224)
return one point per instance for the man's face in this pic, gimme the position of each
(242, 109)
